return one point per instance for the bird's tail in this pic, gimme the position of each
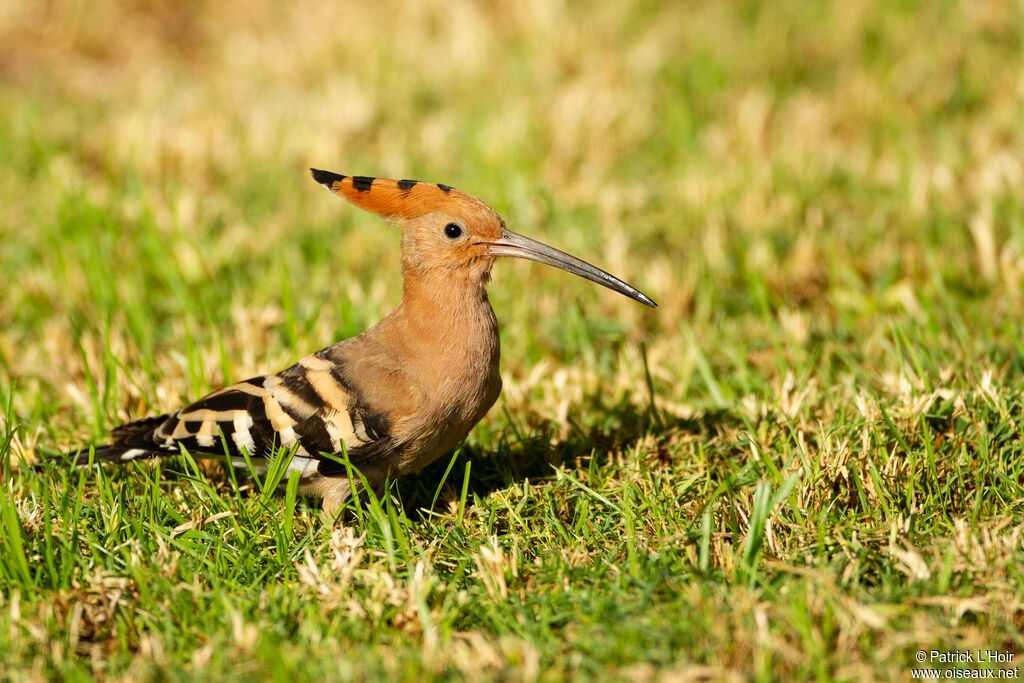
(109, 455)
(132, 441)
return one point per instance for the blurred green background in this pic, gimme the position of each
(825, 198)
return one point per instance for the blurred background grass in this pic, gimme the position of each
(813, 168)
(825, 198)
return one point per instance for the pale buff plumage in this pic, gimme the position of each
(394, 398)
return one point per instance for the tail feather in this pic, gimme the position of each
(132, 441)
(138, 427)
(114, 454)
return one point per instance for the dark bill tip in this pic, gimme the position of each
(514, 244)
(645, 300)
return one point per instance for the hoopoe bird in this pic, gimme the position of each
(392, 399)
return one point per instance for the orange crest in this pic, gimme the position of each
(394, 199)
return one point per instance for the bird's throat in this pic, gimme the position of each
(449, 336)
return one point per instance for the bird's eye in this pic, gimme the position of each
(453, 231)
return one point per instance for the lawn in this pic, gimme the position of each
(806, 463)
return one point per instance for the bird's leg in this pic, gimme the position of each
(334, 491)
(331, 513)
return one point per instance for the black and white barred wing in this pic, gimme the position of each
(309, 409)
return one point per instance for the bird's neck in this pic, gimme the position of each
(449, 333)
(447, 304)
(444, 317)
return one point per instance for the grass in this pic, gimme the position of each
(805, 464)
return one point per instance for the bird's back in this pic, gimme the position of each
(390, 401)
(394, 398)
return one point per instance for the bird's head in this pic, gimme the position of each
(446, 228)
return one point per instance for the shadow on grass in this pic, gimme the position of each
(535, 453)
(523, 452)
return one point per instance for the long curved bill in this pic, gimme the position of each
(514, 244)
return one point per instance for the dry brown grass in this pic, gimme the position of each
(824, 199)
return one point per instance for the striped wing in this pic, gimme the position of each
(310, 407)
